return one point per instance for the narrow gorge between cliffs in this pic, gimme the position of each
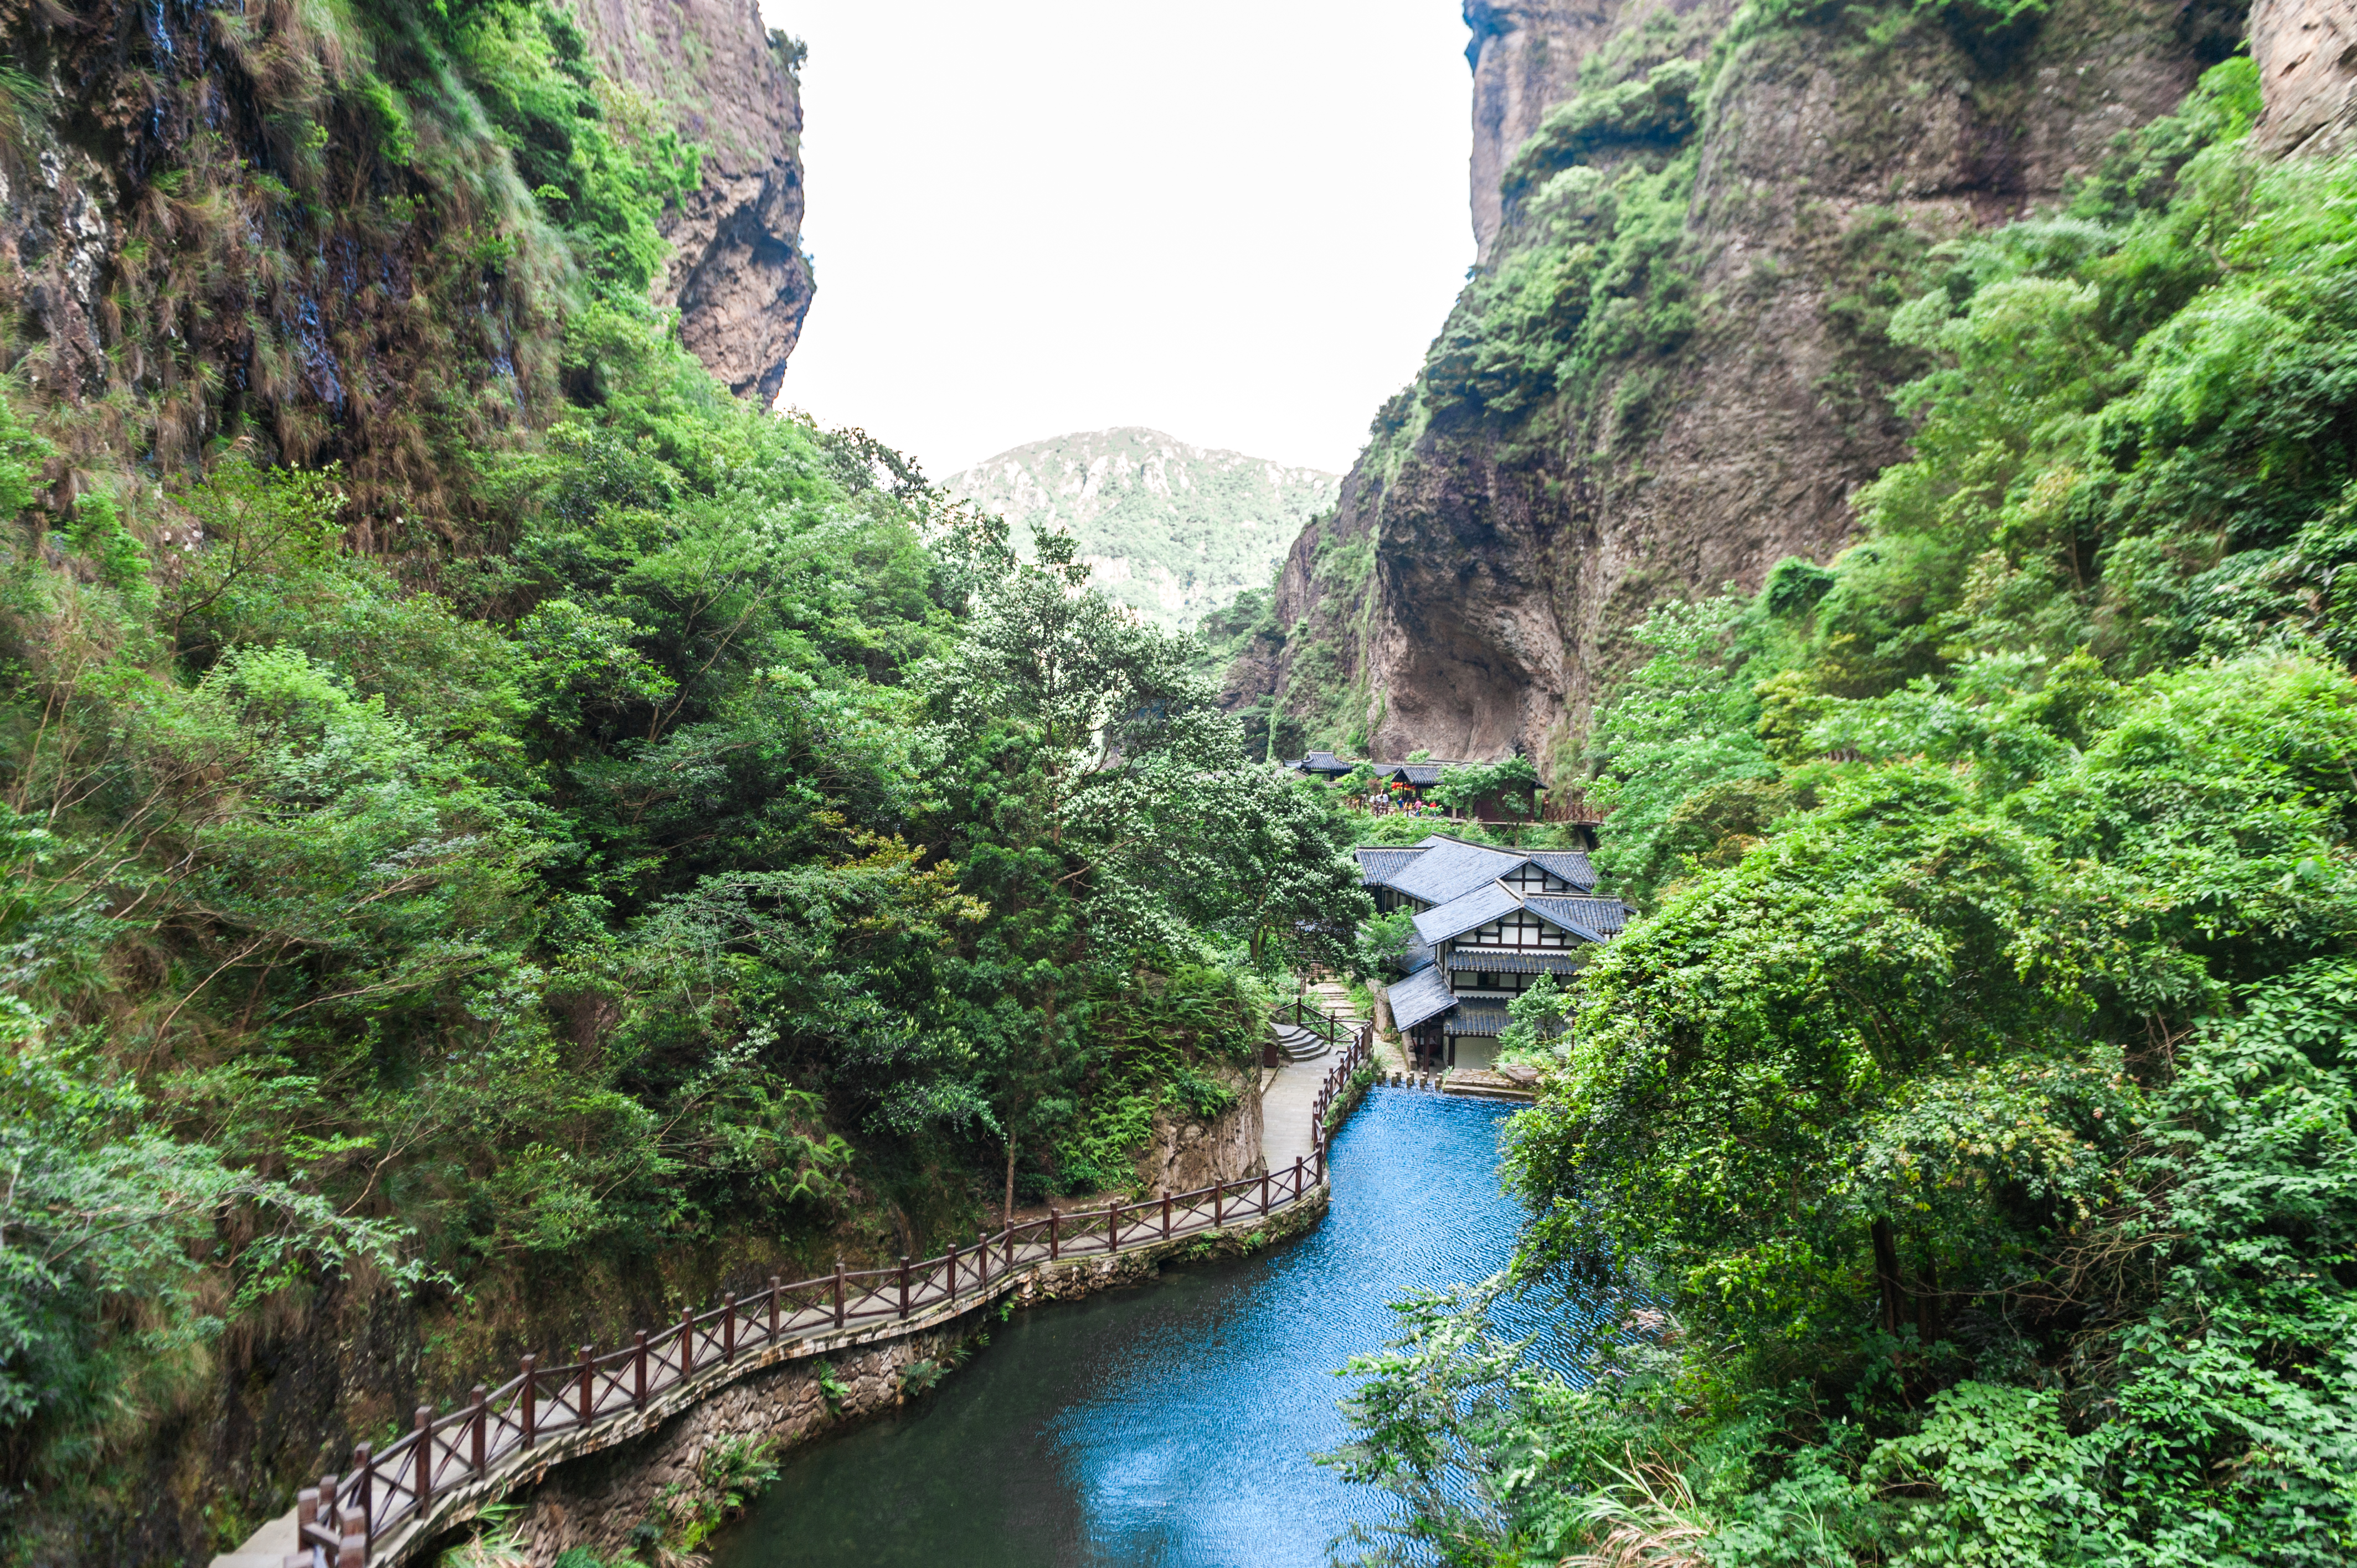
(595, 971)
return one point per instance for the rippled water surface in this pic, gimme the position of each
(1169, 1424)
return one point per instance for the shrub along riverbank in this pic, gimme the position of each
(1975, 1107)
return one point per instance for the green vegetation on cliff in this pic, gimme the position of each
(502, 839)
(1970, 1129)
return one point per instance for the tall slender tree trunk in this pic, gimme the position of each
(1931, 1321)
(1886, 1272)
(1009, 1216)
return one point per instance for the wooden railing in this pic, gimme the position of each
(341, 1520)
(1303, 1013)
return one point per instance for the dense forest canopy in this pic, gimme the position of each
(1969, 1130)
(489, 813)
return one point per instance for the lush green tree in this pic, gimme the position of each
(1963, 1131)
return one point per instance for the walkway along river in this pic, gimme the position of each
(1172, 1424)
(451, 1466)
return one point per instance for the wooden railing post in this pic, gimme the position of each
(306, 1510)
(323, 1509)
(421, 1456)
(325, 1515)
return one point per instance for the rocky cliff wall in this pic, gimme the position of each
(2307, 55)
(1183, 1155)
(1669, 372)
(737, 274)
(1525, 56)
(291, 224)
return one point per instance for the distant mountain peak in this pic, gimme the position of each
(1172, 529)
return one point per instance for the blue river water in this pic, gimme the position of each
(1169, 1425)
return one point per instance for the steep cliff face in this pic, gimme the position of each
(1525, 59)
(1669, 372)
(2307, 55)
(355, 233)
(736, 271)
(361, 235)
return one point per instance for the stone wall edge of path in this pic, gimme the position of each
(596, 1488)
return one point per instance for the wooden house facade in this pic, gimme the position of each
(1489, 922)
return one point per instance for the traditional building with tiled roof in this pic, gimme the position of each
(1488, 923)
(1323, 765)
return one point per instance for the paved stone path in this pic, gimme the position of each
(1285, 1102)
(1288, 1092)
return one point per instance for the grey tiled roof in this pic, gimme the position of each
(1420, 773)
(1479, 907)
(1448, 869)
(1378, 866)
(1495, 960)
(1416, 955)
(1478, 1018)
(1420, 997)
(1568, 863)
(1598, 919)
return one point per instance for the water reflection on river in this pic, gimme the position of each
(1170, 1425)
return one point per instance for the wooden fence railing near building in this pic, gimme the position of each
(1307, 1015)
(341, 1520)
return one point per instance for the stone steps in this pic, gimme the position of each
(1335, 997)
(1296, 1044)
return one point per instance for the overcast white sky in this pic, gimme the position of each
(1240, 222)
